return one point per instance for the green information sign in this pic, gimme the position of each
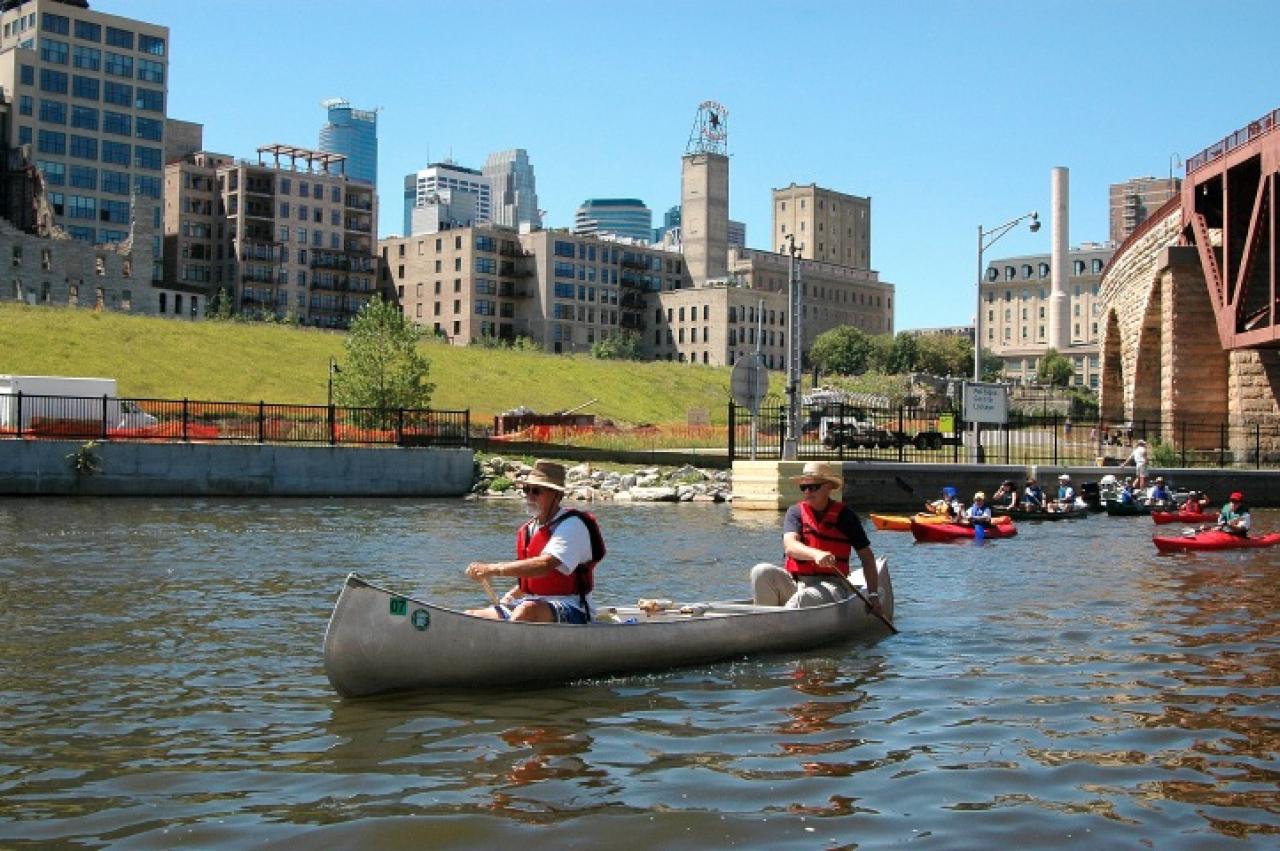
(399, 606)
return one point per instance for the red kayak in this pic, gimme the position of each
(939, 532)
(1181, 516)
(1213, 540)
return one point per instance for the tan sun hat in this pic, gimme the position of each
(816, 472)
(546, 474)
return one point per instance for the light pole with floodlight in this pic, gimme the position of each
(987, 238)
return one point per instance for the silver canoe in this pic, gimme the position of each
(379, 641)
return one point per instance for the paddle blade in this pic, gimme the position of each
(979, 533)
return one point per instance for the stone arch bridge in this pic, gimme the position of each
(1190, 304)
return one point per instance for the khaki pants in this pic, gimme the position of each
(773, 586)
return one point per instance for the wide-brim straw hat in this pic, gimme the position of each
(546, 474)
(816, 472)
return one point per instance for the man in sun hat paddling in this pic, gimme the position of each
(556, 555)
(818, 536)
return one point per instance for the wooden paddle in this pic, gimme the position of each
(488, 590)
(849, 586)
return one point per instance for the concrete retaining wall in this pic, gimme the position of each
(41, 467)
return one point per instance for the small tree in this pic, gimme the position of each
(383, 368)
(220, 308)
(1055, 369)
(904, 351)
(625, 345)
(991, 366)
(845, 350)
(944, 354)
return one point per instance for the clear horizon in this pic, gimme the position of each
(947, 114)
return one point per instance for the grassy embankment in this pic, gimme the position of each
(229, 361)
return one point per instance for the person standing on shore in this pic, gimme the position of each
(818, 536)
(1139, 460)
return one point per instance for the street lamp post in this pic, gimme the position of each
(987, 238)
(333, 368)
(790, 444)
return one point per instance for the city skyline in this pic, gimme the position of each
(942, 139)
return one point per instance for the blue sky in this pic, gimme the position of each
(948, 114)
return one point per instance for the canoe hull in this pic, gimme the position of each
(943, 532)
(1213, 540)
(1164, 517)
(1074, 514)
(378, 641)
(902, 522)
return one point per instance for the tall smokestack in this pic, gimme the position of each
(1059, 302)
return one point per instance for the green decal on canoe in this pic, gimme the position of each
(421, 618)
(399, 606)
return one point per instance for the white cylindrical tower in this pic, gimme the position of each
(1059, 301)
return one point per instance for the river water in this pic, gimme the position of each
(1068, 688)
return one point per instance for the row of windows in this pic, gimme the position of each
(91, 59)
(89, 31)
(316, 237)
(1095, 266)
(91, 88)
(87, 118)
(87, 148)
(587, 251)
(1075, 334)
(316, 214)
(1026, 294)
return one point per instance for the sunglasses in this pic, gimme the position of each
(533, 491)
(809, 487)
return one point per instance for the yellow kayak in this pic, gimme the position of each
(902, 522)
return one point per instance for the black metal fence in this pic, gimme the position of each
(855, 433)
(178, 420)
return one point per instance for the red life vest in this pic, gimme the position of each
(554, 583)
(821, 532)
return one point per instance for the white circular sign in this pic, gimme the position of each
(749, 382)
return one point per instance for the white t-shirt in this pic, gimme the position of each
(570, 543)
(1140, 456)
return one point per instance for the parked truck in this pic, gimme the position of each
(51, 403)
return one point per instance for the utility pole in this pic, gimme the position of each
(790, 444)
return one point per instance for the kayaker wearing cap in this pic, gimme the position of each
(1066, 500)
(1196, 501)
(977, 514)
(556, 555)
(1139, 460)
(1033, 496)
(818, 535)
(1234, 517)
(1159, 494)
(947, 506)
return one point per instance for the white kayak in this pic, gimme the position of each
(380, 641)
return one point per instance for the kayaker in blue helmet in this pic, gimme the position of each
(1235, 517)
(948, 505)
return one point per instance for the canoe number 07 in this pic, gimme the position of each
(399, 606)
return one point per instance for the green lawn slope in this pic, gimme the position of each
(230, 361)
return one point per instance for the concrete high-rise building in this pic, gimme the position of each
(832, 227)
(89, 91)
(704, 215)
(421, 186)
(1017, 299)
(1133, 202)
(293, 238)
(354, 134)
(182, 139)
(624, 217)
(515, 192)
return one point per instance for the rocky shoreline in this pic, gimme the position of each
(500, 478)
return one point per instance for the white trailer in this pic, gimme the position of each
(29, 401)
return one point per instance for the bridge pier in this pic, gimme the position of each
(1194, 366)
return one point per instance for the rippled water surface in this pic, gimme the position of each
(162, 687)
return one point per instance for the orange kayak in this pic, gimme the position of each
(902, 522)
